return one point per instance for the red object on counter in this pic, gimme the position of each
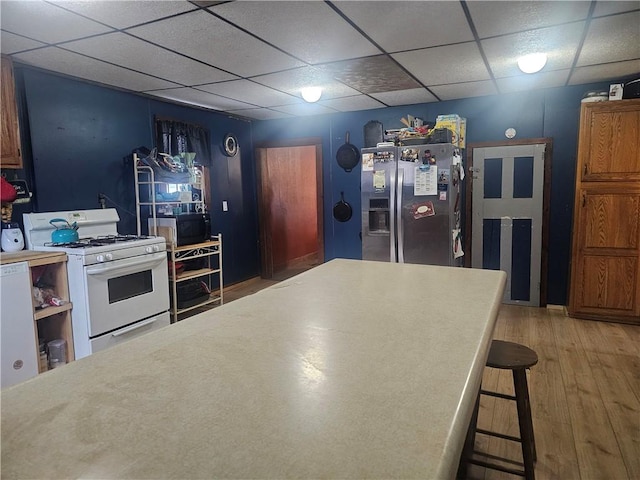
(7, 191)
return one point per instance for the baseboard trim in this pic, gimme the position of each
(558, 308)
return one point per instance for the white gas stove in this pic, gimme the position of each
(118, 284)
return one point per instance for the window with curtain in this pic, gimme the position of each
(175, 137)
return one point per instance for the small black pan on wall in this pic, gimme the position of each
(342, 211)
(348, 155)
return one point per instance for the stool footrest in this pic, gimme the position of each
(495, 466)
(498, 395)
(499, 435)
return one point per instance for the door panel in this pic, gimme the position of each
(290, 219)
(507, 216)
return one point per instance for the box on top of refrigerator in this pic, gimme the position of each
(458, 127)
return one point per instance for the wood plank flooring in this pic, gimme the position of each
(585, 395)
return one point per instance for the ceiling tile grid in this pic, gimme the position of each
(251, 58)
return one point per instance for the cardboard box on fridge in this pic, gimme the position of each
(458, 127)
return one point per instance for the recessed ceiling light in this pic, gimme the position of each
(532, 63)
(311, 94)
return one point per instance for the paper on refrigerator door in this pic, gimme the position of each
(379, 180)
(426, 181)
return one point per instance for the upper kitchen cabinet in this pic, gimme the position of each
(605, 262)
(609, 147)
(11, 157)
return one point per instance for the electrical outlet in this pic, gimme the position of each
(225, 206)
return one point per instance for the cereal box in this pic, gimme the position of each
(457, 125)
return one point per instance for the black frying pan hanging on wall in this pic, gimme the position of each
(348, 155)
(342, 210)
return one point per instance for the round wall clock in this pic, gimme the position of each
(230, 144)
(510, 132)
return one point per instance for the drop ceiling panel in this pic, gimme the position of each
(69, 63)
(560, 44)
(441, 65)
(611, 71)
(612, 39)
(213, 41)
(260, 114)
(130, 52)
(398, 26)
(465, 90)
(197, 97)
(259, 54)
(350, 104)
(498, 18)
(405, 97)
(522, 83)
(45, 22)
(310, 31)
(371, 74)
(607, 8)
(293, 80)
(250, 92)
(122, 14)
(304, 109)
(11, 43)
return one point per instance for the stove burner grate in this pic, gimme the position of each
(97, 242)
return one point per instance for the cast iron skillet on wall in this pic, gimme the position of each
(348, 155)
(342, 211)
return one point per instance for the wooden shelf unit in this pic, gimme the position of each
(53, 322)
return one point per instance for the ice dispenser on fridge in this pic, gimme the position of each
(378, 216)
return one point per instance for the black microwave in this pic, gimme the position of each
(186, 228)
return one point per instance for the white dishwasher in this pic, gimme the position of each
(17, 329)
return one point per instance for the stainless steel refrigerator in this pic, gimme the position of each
(411, 204)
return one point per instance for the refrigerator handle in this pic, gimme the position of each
(399, 215)
(392, 220)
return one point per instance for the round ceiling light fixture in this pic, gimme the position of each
(532, 63)
(311, 94)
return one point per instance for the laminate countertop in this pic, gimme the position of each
(353, 369)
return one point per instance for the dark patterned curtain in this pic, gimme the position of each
(176, 137)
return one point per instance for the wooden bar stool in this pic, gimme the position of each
(517, 358)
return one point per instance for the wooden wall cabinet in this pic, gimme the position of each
(11, 157)
(605, 262)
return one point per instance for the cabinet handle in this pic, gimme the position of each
(584, 199)
(586, 170)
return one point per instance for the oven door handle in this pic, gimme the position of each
(131, 328)
(148, 260)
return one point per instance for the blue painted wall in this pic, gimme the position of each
(79, 133)
(75, 136)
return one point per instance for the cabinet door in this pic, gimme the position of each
(10, 133)
(17, 330)
(606, 266)
(610, 141)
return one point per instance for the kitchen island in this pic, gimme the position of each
(353, 369)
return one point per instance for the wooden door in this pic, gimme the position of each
(10, 132)
(290, 207)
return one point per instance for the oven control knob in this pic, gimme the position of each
(109, 257)
(100, 258)
(148, 249)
